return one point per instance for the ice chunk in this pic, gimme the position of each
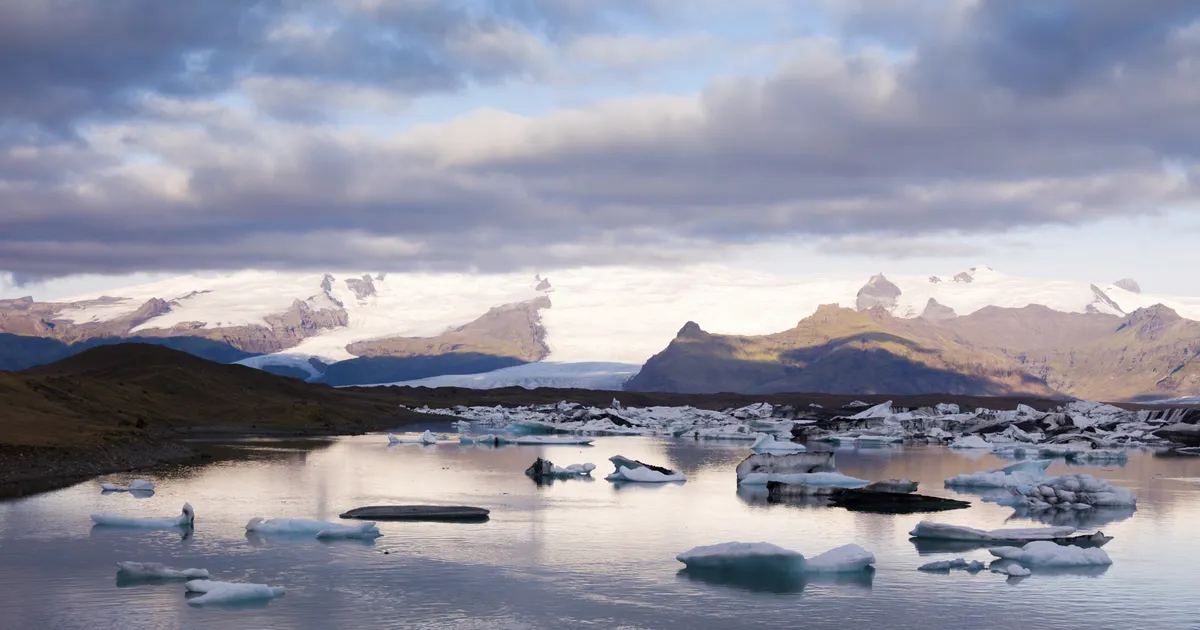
(137, 485)
(156, 570)
(765, 557)
(945, 566)
(1016, 570)
(425, 438)
(1010, 476)
(785, 463)
(941, 531)
(971, 442)
(881, 410)
(1041, 553)
(836, 479)
(897, 486)
(1073, 491)
(542, 468)
(186, 519)
(635, 471)
(768, 443)
(215, 592)
(306, 527)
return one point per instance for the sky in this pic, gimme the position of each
(141, 138)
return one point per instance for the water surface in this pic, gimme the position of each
(576, 553)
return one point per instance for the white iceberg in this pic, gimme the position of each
(425, 438)
(1010, 476)
(971, 442)
(137, 485)
(835, 479)
(1072, 491)
(881, 410)
(156, 570)
(215, 592)
(940, 531)
(543, 468)
(784, 463)
(635, 471)
(307, 527)
(1041, 553)
(768, 443)
(1016, 570)
(187, 518)
(765, 557)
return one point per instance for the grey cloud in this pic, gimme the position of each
(843, 145)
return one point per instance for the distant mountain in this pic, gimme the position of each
(1149, 354)
(363, 328)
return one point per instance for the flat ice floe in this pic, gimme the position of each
(306, 527)
(215, 592)
(635, 471)
(941, 531)
(833, 479)
(187, 518)
(1047, 554)
(542, 468)
(156, 570)
(137, 485)
(769, 558)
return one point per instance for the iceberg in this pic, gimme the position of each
(941, 531)
(1016, 570)
(1010, 476)
(306, 527)
(156, 570)
(762, 557)
(537, 440)
(137, 485)
(544, 468)
(881, 410)
(425, 438)
(1072, 491)
(1041, 553)
(215, 592)
(971, 442)
(768, 443)
(945, 566)
(785, 463)
(835, 479)
(897, 486)
(186, 519)
(633, 470)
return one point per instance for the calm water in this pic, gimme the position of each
(572, 554)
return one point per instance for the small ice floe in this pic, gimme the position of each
(137, 485)
(769, 558)
(1066, 492)
(544, 468)
(946, 566)
(941, 531)
(425, 438)
(834, 479)
(1014, 570)
(306, 527)
(215, 592)
(186, 519)
(1011, 476)
(768, 443)
(635, 471)
(971, 442)
(898, 486)
(157, 571)
(1043, 553)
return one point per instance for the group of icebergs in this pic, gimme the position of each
(210, 591)
(1078, 431)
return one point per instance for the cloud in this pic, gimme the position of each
(846, 141)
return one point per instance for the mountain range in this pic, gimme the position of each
(975, 331)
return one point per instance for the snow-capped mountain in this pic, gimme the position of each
(302, 322)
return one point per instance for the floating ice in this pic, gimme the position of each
(765, 557)
(835, 479)
(1010, 476)
(1041, 553)
(1016, 570)
(945, 566)
(137, 485)
(941, 531)
(526, 440)
(897, 486)
(635, 471)
(768, 443)
(186, 519)
(215, 592)
(971, 442)
(784, 463)
(306, 527)
(156, 570)
(881, 410)
(542, 468)
(425, 438)
(1072, 491)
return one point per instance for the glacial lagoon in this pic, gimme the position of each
(580, 553)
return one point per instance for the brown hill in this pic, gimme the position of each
(1034, 350)
(130, 402)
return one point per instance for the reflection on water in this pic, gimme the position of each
(573, 552)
